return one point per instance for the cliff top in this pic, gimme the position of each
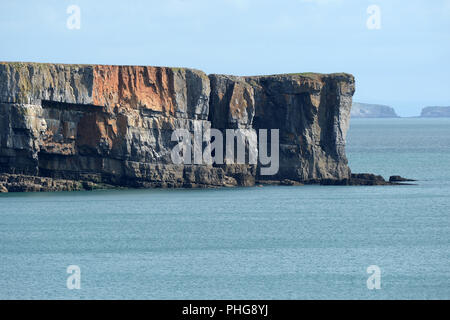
(313, 75)
(165, 90)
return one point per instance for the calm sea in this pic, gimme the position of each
(308, 242)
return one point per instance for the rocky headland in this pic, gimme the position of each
(435, 112)
(82, 127)
(365, 110)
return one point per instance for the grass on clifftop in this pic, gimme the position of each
(312, 75)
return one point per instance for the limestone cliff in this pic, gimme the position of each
(66, 127)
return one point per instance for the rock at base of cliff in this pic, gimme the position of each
(366, 179)
(285, 182)
(25, 183)
(400, 179)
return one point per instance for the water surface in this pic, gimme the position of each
(311, 242)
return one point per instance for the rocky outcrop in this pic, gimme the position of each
(435, 112)
(398, 179)
(365, 110)
(366, 179)
(77, 127)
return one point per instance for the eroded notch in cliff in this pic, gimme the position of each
(64, 106)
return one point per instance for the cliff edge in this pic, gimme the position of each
(74, 127)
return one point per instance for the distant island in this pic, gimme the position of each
(365, 110)
(435, 112)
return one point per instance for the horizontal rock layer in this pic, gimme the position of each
(94, 124)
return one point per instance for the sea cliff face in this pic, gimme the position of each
(74, 127)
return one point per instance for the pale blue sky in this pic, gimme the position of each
(405, 64)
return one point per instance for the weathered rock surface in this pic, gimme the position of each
(69, 126)
(312, 112)
(435, 112)
(365, 110)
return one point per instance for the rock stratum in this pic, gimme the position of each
(365, 110)
(78, 127)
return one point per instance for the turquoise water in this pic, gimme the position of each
(311, 242)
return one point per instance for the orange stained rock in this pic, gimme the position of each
(132, 87)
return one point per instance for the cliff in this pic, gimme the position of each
(435, 112)
(73, 127)
(364, 110)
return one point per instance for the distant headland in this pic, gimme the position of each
(366, 110)
(435, 112)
